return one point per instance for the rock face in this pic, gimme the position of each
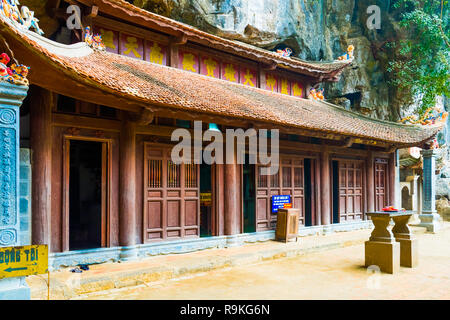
(315, 30)
(48, 24)
(443, 208)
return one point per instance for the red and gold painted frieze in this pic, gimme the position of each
(156, 53)
(189, 61)
(196, 61)
(131, 46)
(248, 76)
(110, 39)
(283, 85)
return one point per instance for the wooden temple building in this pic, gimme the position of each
(99, 127)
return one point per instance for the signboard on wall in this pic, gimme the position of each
(281, 202)
(205, 199)
(23, 261)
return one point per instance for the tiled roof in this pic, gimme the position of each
(124, 9)
(152, 84)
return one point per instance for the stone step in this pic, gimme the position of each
(67, 285)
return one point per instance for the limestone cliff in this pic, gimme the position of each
(315, 30)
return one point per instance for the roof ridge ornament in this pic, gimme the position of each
(347, 56)
(23, 19)
(286, 52)
(432, 115)
(93, 40)
(316, 94)
(15, 74)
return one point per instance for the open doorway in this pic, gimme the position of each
(87, 194)
(206, 201)
(308, 193)
(249, 196)
(335, 181)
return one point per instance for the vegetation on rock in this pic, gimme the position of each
(421, 62)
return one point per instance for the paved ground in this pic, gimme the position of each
(332, 274)
(101, 277)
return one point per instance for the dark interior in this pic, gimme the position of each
(206, 206)
(335, 192)
(85, 195)
(308, 193)
(249, 195)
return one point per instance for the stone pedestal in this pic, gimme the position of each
(382, 250)
(128, 253)
(409, 253)
(11, 97)
(430, 221)
(385, 255)
(429, 217)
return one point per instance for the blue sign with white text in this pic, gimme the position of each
(278, 202)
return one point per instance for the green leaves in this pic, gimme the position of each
(422, 52)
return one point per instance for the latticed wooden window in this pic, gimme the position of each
(298, 177)
(275, 180)
(287, 177)
(173, 175)
(190, 178)
(351, 177)
(154, 173)
(262, 179)
(358, 179)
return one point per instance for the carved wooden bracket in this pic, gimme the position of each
(93, 12)
(144, 117)
(100, 134)
(348, 142)
(391, 149)
(73, 131)
(182, 39)
(427, 145)
(270, 67)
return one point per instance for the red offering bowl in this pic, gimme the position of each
(390, 209)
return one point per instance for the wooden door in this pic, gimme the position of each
(350, 190)
(288, 181)
(171, 193)
(381, 185)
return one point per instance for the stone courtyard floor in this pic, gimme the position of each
(335, 273)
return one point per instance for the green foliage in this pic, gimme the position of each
(422, 54)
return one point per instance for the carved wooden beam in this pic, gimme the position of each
(392, 148)
(51, 6)
(270, 67)
(180, 40)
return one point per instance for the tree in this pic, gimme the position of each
(422, 54)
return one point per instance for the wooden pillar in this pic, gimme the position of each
(219, 199)
(370, 182)
(41, 146)
(392, 180)
(261, 77)
(173, 55)
(231, 198)
(325, 188)
(127, 186)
